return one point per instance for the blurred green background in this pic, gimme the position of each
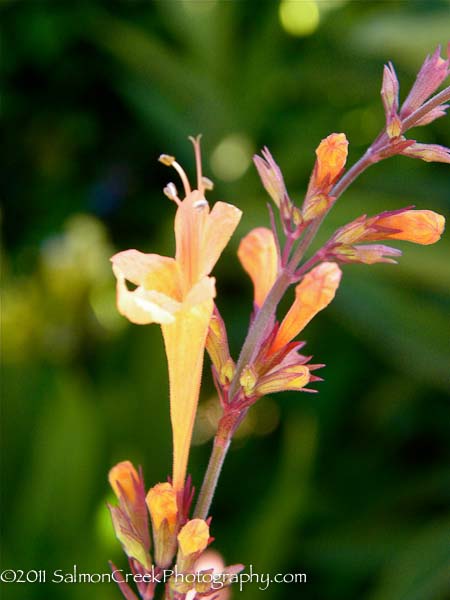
(350, 486)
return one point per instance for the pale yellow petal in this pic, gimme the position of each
(185, 340)
(151, 271)
(201, 236)
(142, 306)
(220, 226)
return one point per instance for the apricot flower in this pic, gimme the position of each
(331, 158)
(418, 226)
(316, 290)
(259, 257)
(178, 294)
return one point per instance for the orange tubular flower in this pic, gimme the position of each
(331, 158)
(419, 226)
(178, 294)
(259, 257)
(316, 290)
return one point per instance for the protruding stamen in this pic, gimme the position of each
(208, 185)
(171, 192)
(170, 161)
(198, 162)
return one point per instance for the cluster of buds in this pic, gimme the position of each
(415, 111)
(178, 541)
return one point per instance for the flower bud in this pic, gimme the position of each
(271, 176)
(123, 479)
(418, 226)
(428, 152)
(290, 378)
(248, 380)
(130, 520)
(162, 505)
(315, 206)
(217, 347)
(389, 90)
(331, 158)
(432, 73)
(316, 290)
(368, 254)
(192, 541)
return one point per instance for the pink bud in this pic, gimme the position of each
(432, 73)
(428, 152)
(389, 90)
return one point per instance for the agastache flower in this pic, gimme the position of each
(331, 158)
(178, 294)
(278, 366)
(259, 256)
(130, 518)
(314, 293)
(330, 162)
(162, 505)
(418, 226)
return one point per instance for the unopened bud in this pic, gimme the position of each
(394, 127)
(192, 541)
(315, 206)
(248, 380)
(162, 505)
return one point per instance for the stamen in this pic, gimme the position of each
(170, 161)
(171, 192)
(198, 162)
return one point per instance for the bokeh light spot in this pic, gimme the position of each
(232, 157)
(299, 17)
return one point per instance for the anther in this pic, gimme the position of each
(167, 160)
(207, 184)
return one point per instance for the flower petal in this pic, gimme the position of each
(259, 258)
(418, 226)
(201, 236)
(220, 226)
(185, 340)
(313, 294)
(151, 271)
(142, 306)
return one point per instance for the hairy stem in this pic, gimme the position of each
(212, 474)
(433, 102)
